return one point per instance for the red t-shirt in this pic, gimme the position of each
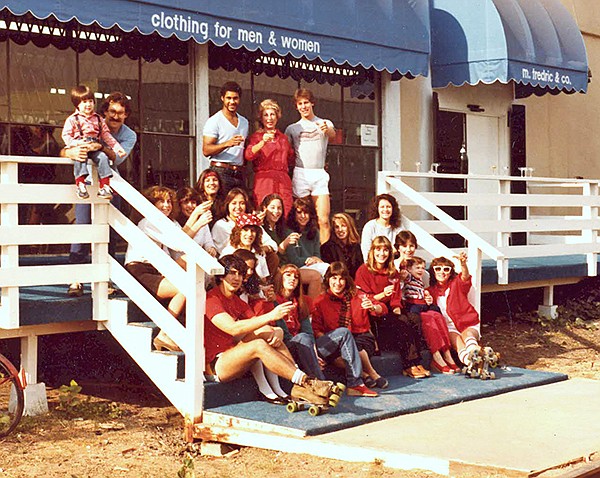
(215, 340)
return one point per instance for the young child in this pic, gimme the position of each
(418, 300)
(87, 126)
(449, 292)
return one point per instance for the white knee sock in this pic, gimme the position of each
(258, 372)
(273, 380)
(471, 344)
(463, 355)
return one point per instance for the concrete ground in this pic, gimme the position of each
(521, 433)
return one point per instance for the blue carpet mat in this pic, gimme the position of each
(403, 396)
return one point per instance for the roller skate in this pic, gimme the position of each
(474, 364)
(317, 395)
(480, 360)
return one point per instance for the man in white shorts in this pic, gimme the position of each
(309, 137)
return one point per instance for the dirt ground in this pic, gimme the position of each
(129, 430)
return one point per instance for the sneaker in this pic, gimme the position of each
(381, 382)
(81, 190)
(105, 192)
(361, 391)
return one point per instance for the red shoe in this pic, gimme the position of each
(455, 368)
(442, 368)
(361, 391)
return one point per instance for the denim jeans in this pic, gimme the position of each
(340, 342)
(100, 160)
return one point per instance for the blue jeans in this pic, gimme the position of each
(100, 160)
(340, 342)
(302, 348)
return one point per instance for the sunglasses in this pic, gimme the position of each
(445, 269)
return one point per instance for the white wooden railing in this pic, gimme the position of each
(103, 268)
(561, 215)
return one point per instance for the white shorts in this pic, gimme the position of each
(310, 182)
(320, 267)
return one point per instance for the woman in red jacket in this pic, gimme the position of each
(379, 279)
(450, 293)
(341, 306)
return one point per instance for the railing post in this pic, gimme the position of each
(590, 235)
(100, 258)
(9, 254)
(503, 237)
(194, 363)
(474, 265)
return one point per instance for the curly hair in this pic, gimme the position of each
(441, 261)
(311, 228)
(297, 293)
(338, 268)
(388, 265)
(156, 193)
(396, 218)
(235, 238)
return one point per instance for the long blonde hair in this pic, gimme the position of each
(388, 266)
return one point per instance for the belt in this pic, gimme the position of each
(218, 164)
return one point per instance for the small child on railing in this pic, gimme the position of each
(449, 292)
(85, 126)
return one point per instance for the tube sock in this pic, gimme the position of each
(273, 380)
(258, 372)
(463, 355)
(471, 344)
(298, 377)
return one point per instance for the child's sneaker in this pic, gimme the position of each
(105, 192)
(361, 391)
(82, 192)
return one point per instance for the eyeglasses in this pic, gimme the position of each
(114, 112)
(445, 269)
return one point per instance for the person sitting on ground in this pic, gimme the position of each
(188, 199)
(233, 345)
(385, 220)
(86, 126)
(341, 306)
(139, 266)
(272, 156)
(418, 301)
(344, 245)
(209, 188)
(261, 302)
(306, 253)
(450, 293)
(247, 234)
(379, 279)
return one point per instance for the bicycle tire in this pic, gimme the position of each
(10, 416)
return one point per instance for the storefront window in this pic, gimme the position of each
(41, 79)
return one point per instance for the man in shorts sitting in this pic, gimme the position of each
(234, 337)
(309, 137)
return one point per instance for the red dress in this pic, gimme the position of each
(271, 165)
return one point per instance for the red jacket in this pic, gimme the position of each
(458, 307)
(326, 313)
(373, 283)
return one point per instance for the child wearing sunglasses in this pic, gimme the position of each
(449, 292)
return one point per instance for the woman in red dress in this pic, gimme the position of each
(272, 156)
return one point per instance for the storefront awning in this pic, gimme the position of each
(533, 42)
(390, 35)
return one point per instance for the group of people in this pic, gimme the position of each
(295, 298)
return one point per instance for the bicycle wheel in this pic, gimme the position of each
(10, 413)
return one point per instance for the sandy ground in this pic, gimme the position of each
(129, 430)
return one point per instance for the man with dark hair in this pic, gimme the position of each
(234, 337)
(223, 139)
(115, 109)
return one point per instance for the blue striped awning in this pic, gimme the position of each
(390, 35)
(536, 43)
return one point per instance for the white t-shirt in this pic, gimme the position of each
(309, 142)
(204, 239)
(218, 126)
(135, 252)
(221, 232)
(373, 229)
(262, 270)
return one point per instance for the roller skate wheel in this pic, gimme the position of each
(492, 375)
(292, 407)
(341, 387)
(334, 400)
(473, 374)
(314, 410)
